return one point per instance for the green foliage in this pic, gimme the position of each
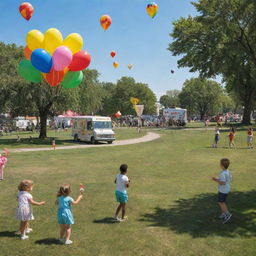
(201, 97)
(171, 99)
(221, 40)
(118, 96)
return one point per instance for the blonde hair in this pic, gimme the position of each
(25, 185)
(64, 190)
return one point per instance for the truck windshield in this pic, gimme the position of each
(102, 125)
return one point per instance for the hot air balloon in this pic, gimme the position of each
(26, 10)
(113, 54)
(152, 9)
(105, 21)
(172, 71)
(129, 66)
(115, 64)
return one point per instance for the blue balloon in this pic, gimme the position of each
(41, 60)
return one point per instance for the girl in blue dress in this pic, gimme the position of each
(65, 216)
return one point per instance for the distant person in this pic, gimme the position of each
(250, 137)
(65, 216)
(232, 135)
(24, 210)
(18, 138)
(54, 144)
(216, 136)
(3, 162)
(122, 183)
(224, 182)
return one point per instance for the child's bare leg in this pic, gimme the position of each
(23, 225)
(118, 209)
(123, 205)
(223, 207)
(68, 231)
(62, 230)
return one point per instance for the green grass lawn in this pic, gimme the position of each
(172, 201)
(63, 138)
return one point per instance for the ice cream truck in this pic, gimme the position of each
(177, 115)
(93, 129)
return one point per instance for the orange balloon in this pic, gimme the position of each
(115, 64)
(54, 78)
(105, 21)
(27, 53)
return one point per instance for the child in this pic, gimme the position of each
(65, 216)
(24, 209)
(250, 137)
(216, 137)
(231, 136)
(3, 162)
(54, 144)
(122, 183)
(224, 181)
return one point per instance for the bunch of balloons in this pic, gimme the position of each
(26, 10)
(57, 61)
(152, 9)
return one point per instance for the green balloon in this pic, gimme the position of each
(72, 79)
(28, 72)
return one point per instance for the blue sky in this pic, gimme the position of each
(137, 39)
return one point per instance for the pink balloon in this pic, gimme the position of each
(61, 58)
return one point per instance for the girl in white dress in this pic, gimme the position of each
(24, 209)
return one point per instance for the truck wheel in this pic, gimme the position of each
(110, 142)
(76, 138)
(93, 140)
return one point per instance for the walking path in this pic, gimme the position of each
(149, 137)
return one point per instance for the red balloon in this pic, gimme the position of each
(118, 114)
(53, 78)
(113, 54)
(27, 53)
(26, 10)
(81, 60)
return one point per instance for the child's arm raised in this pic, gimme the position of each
(77, 200)
(36, 203)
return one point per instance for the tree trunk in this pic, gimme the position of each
(43, 125)
(247, 113)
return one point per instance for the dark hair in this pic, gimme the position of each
(64, 190)
(225, 162)
(123, 168)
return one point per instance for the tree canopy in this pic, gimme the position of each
(220, 40)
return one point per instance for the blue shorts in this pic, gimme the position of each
(121, 197)
(65, 216)
(222, 197)
(217, 138)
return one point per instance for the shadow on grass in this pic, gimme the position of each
(48, 241)
(198, 216)
(8, 234)
(107, 220)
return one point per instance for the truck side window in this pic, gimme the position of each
(89, 126)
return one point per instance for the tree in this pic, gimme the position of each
(166, 101)
(221, 41)
(118, 97)
(20, 97)
(201, 96)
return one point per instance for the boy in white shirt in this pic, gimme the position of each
(122, 183)
(224, 181)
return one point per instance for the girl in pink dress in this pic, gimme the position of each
(3, 162)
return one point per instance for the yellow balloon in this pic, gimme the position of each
(74, 42)
(52, 40)
(34, 39)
